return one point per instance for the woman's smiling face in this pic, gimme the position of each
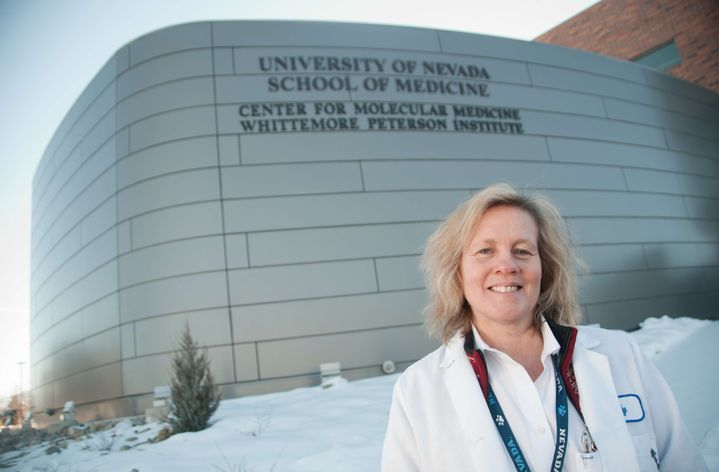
(501, 269)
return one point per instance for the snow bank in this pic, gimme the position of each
(341, 429)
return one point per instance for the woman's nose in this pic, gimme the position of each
(506, 263)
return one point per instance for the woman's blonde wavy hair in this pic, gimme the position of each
(448, 311)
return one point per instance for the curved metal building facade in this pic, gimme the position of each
(272, 183)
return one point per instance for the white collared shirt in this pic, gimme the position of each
(530, 407)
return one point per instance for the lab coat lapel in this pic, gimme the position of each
(470, 406)
(601, 408)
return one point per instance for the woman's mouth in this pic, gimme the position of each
(505, 288)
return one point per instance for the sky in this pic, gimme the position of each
(50, 50)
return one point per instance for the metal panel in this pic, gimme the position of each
(162, 333)
(590, 83)
(175, 66)
(122, 143)
(127, 341)
(171, 39)
(672, 182)
(399, 273)
(327, 315)
(67, 332)
(74, 153)
(124, 239)
(99, 134)
(99, 220)
(573, 126)
(141, 374)
(711, 281)
(78, 357)
(343, 209)
(179, 124)
(47, 259)
(296, 282)
(613, 257)
(168, 190)
(171, 259)
(662, 256)
(642, 230)
(310, 33)
(89, 258)
(185, 154)
(165, 97)
(96, 285)
(423, 175)
(703, 208)
(245, 362)
(627, 155)
(222, 61)
(221, 364)
(101, 315)
(178, 294)
(324, 244)
(87, 134)
(103, 348)
(40, 372)
(643, 284)
(352, 350)
(92, 385)
(42, 396)
(533, 52)
(588, 203)
(72, 210)
(90, 198)
(646, 114)
(677, 86)
(41, 322)
(187, 221)
(229, 147)
(122, 59)
(97, 85)
(693, 144)
(236, 250)
(290, 179)
(599, 83)
(75, 175)
(261, 149)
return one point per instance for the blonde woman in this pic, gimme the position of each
(516, 384)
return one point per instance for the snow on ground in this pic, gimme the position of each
(691, 367)
(341, 429)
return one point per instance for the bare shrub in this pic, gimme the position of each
(260, 423)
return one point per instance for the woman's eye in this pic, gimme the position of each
(485, 250)
(522, 252)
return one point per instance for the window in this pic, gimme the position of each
(661, 58)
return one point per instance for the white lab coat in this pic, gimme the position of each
(439, 420)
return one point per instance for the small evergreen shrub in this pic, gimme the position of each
(194, 395)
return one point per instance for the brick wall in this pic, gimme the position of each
(628, 28)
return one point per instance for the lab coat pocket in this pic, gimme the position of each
(585, 462)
